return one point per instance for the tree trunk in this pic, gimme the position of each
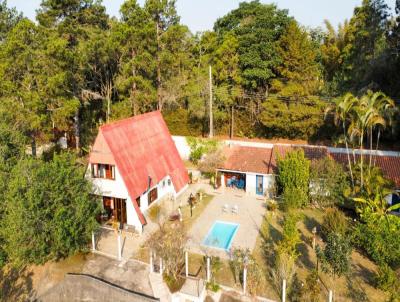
(377, 144)
(362, 158)
(158, 84)
(232, 121)
(348, 155)
(370, 155)
(134, 87)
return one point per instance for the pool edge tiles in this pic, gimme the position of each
(226, 247)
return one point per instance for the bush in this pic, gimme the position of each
(293, 198)
(334, 221)
(200, 147)
(154, 212)
(328, 182)
(294, 178)
(386, 279)
(380, 239)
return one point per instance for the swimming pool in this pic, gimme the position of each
(221, 235)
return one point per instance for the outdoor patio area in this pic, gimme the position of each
(249, 217)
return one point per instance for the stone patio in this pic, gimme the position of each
(249, 218)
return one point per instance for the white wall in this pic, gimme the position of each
(268, 182)
(163, 190)
(182, 146)
(108, 187)
(116, 188)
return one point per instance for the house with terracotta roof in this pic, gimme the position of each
(248, 168)
(256, 163)
(133, 164)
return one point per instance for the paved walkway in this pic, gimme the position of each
(249, 218)
(160, 289)
(129, 275)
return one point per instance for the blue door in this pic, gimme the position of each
(259, 185)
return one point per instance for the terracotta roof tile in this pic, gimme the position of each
(390, 165)
(248, 159)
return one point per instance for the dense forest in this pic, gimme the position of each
(76, 68)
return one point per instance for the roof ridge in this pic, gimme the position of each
(129, 119)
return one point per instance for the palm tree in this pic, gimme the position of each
(342, 111)
(361, 118)
(380, 106)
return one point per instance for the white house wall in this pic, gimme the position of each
(163, 190)
(108, 187)
(268, 182)
(182, 146)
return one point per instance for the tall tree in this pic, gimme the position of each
(22, 102)
(70, 23)
(164, 17)
(258, 28)
(9, 17)
(50, 211)
(367, 30)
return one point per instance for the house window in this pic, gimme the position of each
(103, 171)
(169, 182)
(138, 201)
(153, 195)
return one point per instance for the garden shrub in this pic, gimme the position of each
(294, 178)
(200, 147)
(154, 212)
(328, 182)
(334, 221)
(293, 198)
(386, 278)
(380, 239)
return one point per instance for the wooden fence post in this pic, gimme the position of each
(244, 280)
(186, 263)
(284, 290)
(93, 242)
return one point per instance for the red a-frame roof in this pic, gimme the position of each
(142, 149)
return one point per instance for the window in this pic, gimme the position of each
(103, 171)
(138, 201)
(153, 195)
(169, 182)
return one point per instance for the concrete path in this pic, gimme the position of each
(160, 289)
(250, 216)
(129, 275)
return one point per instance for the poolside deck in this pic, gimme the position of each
(249, 217)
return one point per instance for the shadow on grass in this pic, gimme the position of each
(310, 223)
(355, 291)
(305, 257)
(16, 285)
(364, 273)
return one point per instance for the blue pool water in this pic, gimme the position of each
(221, 235)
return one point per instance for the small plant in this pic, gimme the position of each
(154, 213)
(293, 198)
(386, 279)
(334, 221)
(214, 287)
(272, 205)
(312, 288)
